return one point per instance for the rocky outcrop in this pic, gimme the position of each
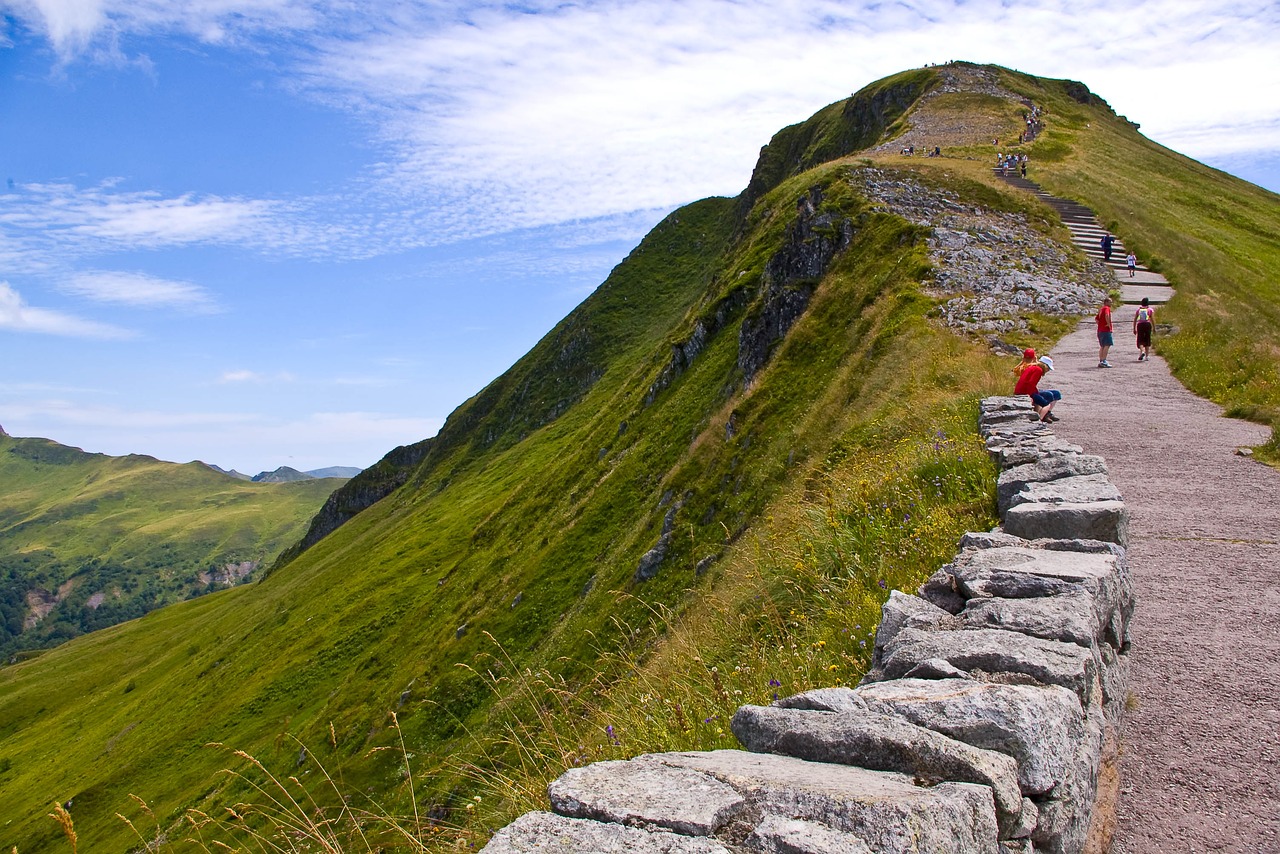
(987, 722)
(790, 276)
(362, 491)
(991, 267)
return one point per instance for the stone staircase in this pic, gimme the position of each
(1087, 235)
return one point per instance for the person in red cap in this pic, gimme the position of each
(1028, 383)
(1028, 358)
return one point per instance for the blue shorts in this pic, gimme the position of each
(1105, 339)
(1044, 398)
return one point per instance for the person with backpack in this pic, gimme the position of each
(1105, 337)
(1028, 383)
(1144, 320)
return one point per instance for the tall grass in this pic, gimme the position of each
(798, 610)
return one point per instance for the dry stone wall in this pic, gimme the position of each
(986, 723)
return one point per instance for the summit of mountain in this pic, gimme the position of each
(695, 491)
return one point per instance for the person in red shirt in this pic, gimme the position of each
(1105, 338)
(1028, 383)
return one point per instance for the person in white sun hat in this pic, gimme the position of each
(1029, 384)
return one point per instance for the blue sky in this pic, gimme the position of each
(280, 232)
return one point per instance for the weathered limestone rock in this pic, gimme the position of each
(884, 810)
(778, 835)
(537, 832)
(1040, 727)
(1070, 618)
(1084, 489)
(1043, 568)
(880, 742)
(1098, 520)
(996, 651)
(1014, 480)
(646, 792)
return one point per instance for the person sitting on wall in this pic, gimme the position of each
(1028, 383)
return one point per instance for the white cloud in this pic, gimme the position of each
(496, 117)
(17, 316)
(103, 217)
(244, 376)
(139, 289)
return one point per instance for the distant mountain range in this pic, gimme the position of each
(285, 474)
(90, 540)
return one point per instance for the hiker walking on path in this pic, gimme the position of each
(1132, 261)
(1144, 320)
(1105, 337)
(1106, 242)
(1028, 384)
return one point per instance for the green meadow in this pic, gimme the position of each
(105, 539)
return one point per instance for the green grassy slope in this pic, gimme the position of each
(786, 504)
(104, 539)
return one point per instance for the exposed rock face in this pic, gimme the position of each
(983, 725)
(789, 279)
(362, 491)
(995, 266)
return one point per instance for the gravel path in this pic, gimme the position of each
(1200, 769)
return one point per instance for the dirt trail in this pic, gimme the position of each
(1201, 754)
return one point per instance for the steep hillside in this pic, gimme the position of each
(693, 492)
(88, 540)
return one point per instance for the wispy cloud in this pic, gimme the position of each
(103, 217)
(140, 290)
(17, 316)
(245, 376)
(494, 117)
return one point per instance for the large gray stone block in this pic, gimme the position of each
(1014, 480)
(547, 833)
(1040, 727)
(1040, 569)
(646, 792)
(1097, 520)
(996, 651)
(881, 742)
(896, 612)
(1070, 618)
(1084, 489)
(886, 811)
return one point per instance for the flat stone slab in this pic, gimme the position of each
(1070, 618)
(885, 811)
(1107, 521)
(1040, 727)
(880, 742)
(539, 832)
(648, 793)
(1022, 572)
(1083, 489)
(996, 651)
(1014, 480)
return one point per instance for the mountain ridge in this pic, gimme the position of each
(633, 517)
